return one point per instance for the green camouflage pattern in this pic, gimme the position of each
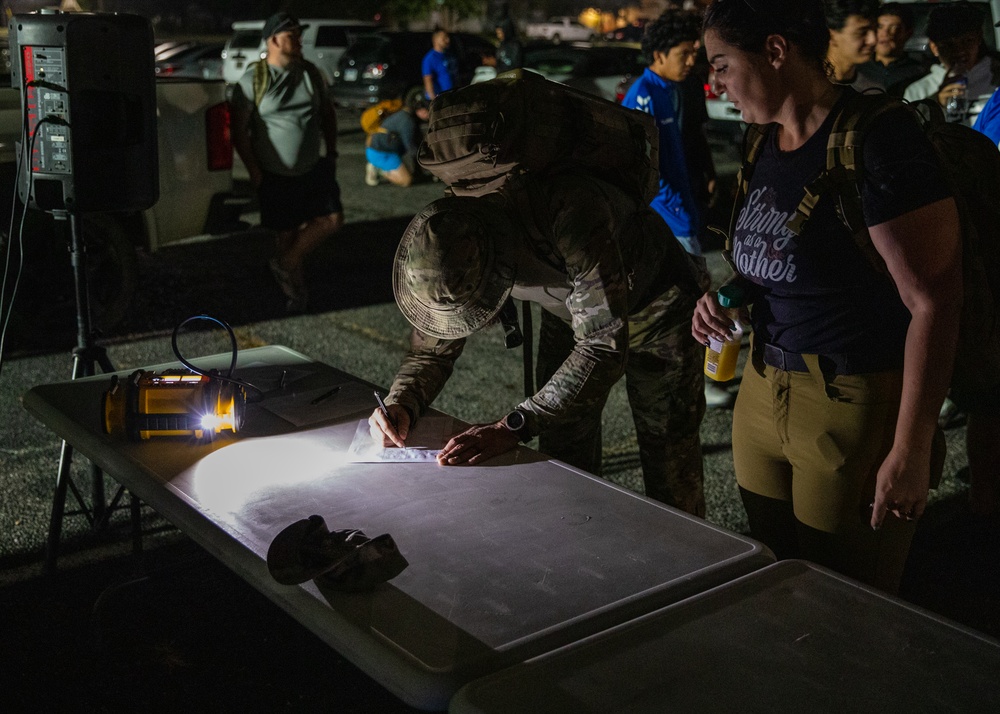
(576, 232)
(665, 387)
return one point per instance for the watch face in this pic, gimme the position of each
(514, 421)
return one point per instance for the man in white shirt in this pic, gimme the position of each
(967, 71)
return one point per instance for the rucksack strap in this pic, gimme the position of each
(262, 80)
(754, 139)
(844, 172)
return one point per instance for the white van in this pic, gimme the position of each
(323, 42)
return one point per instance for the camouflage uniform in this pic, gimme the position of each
(607, 266)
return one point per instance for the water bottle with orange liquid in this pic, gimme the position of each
(721, 355)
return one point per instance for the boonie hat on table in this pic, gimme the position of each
(452, 272)
(280, 22)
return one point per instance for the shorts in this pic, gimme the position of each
(383, 160)
(286, 202)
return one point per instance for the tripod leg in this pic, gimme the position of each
(98, 498)
(58, 507)
(86, 355)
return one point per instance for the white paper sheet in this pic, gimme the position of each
(422, 444)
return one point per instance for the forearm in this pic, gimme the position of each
(927, 366)
(583, 380)
(424, 371)
(244, 148)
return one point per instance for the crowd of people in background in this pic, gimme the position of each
(838, 405)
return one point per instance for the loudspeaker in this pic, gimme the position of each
(88, 93)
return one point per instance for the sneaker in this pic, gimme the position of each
(717, 396)
(371, 174)
(950, 415)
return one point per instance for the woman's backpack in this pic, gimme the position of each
(970, 164)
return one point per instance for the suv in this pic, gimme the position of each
(387, 65)
(559, 29)
(596, 70)
(323, 42)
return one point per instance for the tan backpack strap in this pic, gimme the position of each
(841, 179)
(753, 144)
(261, 80)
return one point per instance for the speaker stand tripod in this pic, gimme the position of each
(87, 355)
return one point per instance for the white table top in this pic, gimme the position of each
(506, 561)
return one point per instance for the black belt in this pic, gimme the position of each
(779, 359)
(859, 363)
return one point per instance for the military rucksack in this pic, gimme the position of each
(262, 79)
(480, 136)
(970, 164)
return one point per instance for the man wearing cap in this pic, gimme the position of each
(597, 258)
(282, 115)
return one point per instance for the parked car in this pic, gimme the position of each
(559, 29)
(243, 47)
(629, 33)
(195, 60)
(595, 69)
(323, 42)
(196, 197)
(387, 65)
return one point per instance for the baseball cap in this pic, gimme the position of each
(279, 22)
(453, 271)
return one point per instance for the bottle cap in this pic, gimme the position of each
(731, 296)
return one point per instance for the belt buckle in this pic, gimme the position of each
(775, 356)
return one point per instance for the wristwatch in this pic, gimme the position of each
(517, 423)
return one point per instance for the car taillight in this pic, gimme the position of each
(218, 140)
(375, 70)
(710, 91)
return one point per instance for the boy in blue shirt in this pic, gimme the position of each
(670, 44)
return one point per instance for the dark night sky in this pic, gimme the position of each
(209, 15)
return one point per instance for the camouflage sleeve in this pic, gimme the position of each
(424, 371)
(583, 227)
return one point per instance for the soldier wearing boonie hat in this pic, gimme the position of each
(591, 255)
(451, 276)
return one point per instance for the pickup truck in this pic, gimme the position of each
(559, 29)
(196, 198)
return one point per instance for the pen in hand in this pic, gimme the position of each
(385, 412)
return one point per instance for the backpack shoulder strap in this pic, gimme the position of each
(316, 77)
(753, 143)
(841, 177)
(261, 80)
